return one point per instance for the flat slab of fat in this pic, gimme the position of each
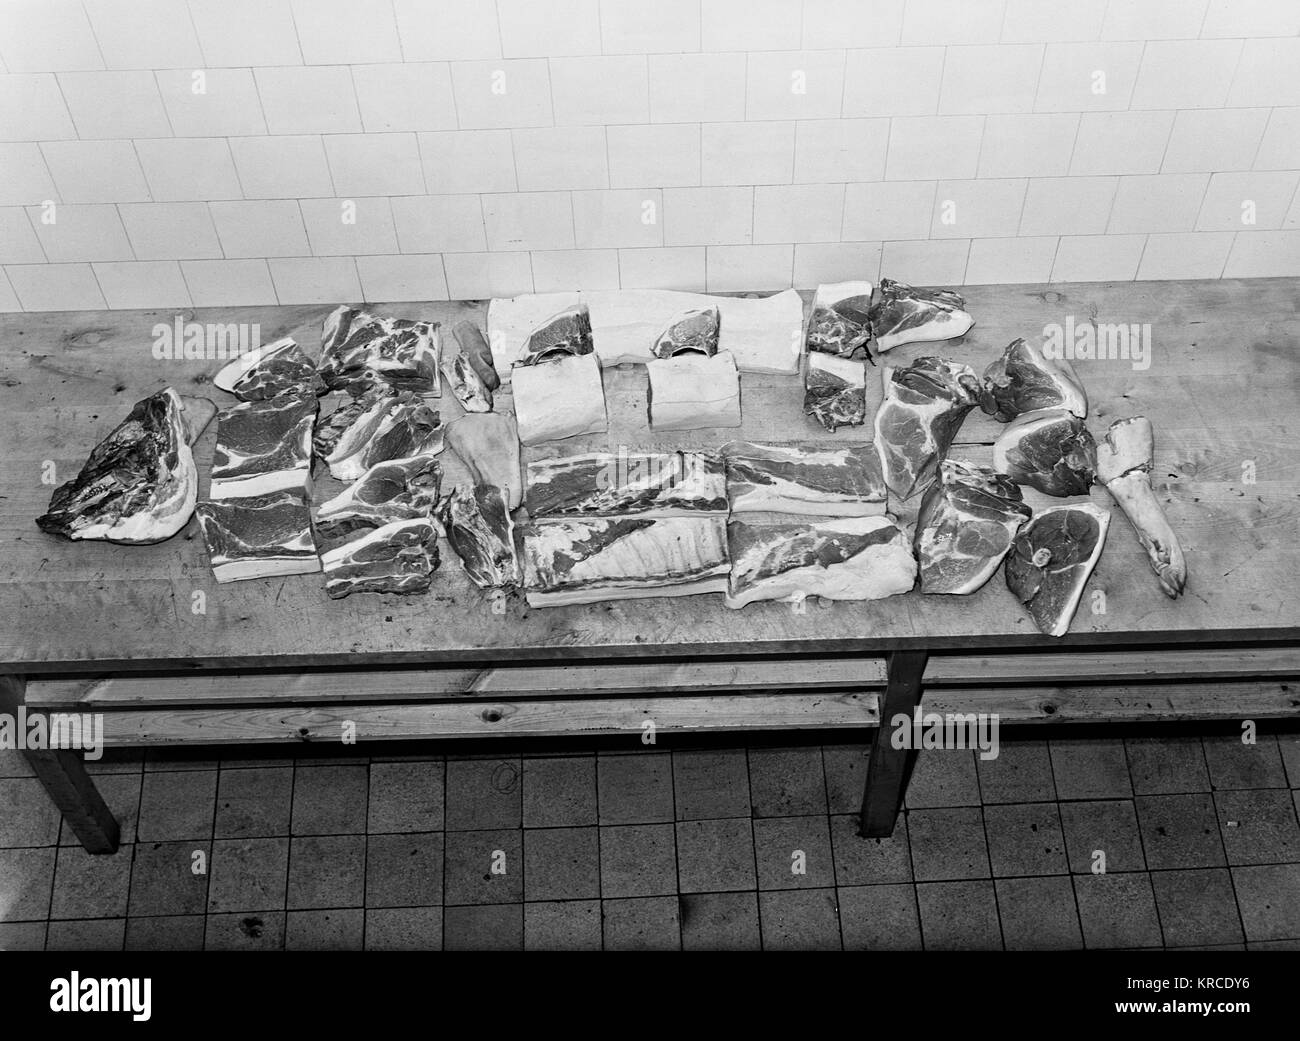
(691, 391)
(559, 399)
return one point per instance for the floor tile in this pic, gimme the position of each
(260, 931)
(715, 856)
(944, 777)
(22, 936)
(1038, 914)
(1167, 765)
(484, 867)
(248, 875)
(488, 927)
(638, 860)
(484, 793)
(794, 853)
(89, 885)
(406, 797)
(1117, 910)
(13, 763)
(561, 864)
(121, 793)
(1025, 839)
(86, 934)
(635, 789)
(167, 933)
(177, 759)
(329, 800)
(879, 918)
(1269, 898)
(29, 817)
(1197, 907)
(177, 806)
(1237, 765)
(333, 930)
(1274, 945)
(327, 871)
(404, 929)
(959, 916)
(254, 803)
(117, 761)
(860, 861)
(169, 878)
(641, 923)
(1289, 747)
(404, 870)
(1106, 827)
(787, 782)
(1022, 772)
(711, 784)
(720, 922)
(1090, 769)
(948, 844)
(846, 776)
(1258, 827)
(1179, 831)
(559, 793)
(568, 925)
(799, 920)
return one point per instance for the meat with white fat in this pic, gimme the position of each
(921, 410)
(819, 480)
(693, 391)
(398, 558)
(694, 331)
(263, 446)
(359, 349)
(835, 390)
(1051, 560)
(650, 484)
(259, 536)
(479, 528)
(840, 322)
(1051, 451)
(268, 371)
(905, 314)
(560, 398)
(394, 490)
(1025, 380)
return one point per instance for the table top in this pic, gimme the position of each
(1222, 391)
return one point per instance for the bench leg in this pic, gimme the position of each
(63, 773)
(889, 768)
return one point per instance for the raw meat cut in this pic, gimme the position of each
(692, 332)
(476, 349)
(405, 426)
(1025, 380)
(270, 371)
(350, 421)
(851, 558)
(920, 413)
(263, 446)
(965, 526)
(470, 391)
(488, 445)
(1051, 451)
(692, 391)
(197, 414)
(908, 315)
(562, 335)
(650, 484)
(138, 486)
(1124, 458)
(586, 560)
(835, 391)
(1052, 559)
(839, 481)
(259, 536)
(840, 322)
(479, 528)
(398, 558)
(559, 399)
(360, 349)
(394, 490)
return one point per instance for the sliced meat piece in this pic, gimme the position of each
(835, 391)
(692, 332)
(808, 479)
(1124, 458)
(559, 399)
(650, 484)
(1025, 380)
(408, 427)
(470, 391)
(1051, 451)
(394, 490)
(350, 422)
(480, 530)
(138, 486)
(360, 349)
(850, 558)
(269, 371)
(565, 334)
(488, 445)
(1052, 559)
(398, 558)
(840, 322)
(904, 314)
(583, 561)
(693, 391)
(965, 526)
(263, 446)
(920, 413)
(259, 536)
(476, 350)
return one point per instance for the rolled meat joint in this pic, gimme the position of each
(690, 391)
(359, 349)
(560, 398)
(1025, 380)
(835, 390)
(1124, 459)
(693, 332)
(840, 322)
(1052, 559)
(904, 314)
(1051, 451)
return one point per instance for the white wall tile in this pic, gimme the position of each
(331, 236)
(977, 209)
(1280, 149)
(708, 216)
(114, 104)
(922, 148)
(990, 79)
(1028, 145)
(748, 25)
(144, 34)
(1157, 203)
(794, 85)
(281, 167)
(1068, 205)
(843, 150)
(95, 171)
(598, 91)
(659, 155)
(47, 36)
(142, 284)
(747, 153)
(1269, 74)
(315, 280)
(1235, 18)
(228, 107)
(931, 263)
(529, 221)
(479, 276)
(440, 30)
(337, 32)
(1229, 194)
(1097, 258)
(693, 88)
(55, 287)
(439, 224)
(170, 230)
(677, 267)
(1154, 20)
(24, 180)
(852, 23)
(502, 94)
(237, 33)
(1185, 255)
(413, 96)
(632, 27)
(739, 269)
(416, 277)
(18, 242)
(1214, 139)
(316, 99)
(374, 164)
(627, 217)
(458, 162)
(32, 109)
(952, 21)
(82, 233)
(899, 81)
(566, 270)
(269, 228)
(1032, 21)
(1010, 260)
(1263, 255)
(549, 28)
(554, 158)
(798, 213)
(228, 283)
(818, 262)
(888, 210)
(1087, 77)
(8, 298)
(1165, 79)
(1121, 142)
(187, 168)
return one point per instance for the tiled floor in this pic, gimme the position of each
(1095, 842)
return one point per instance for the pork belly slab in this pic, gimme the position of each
(805, 479)
(398, 558)
(652, 484)
(259, 536)
(690, 391)
(559, 398)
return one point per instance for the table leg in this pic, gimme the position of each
(889, 768)
(63, 773)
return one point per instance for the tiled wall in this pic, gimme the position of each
(220, 152)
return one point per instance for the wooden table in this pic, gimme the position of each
(146, 636)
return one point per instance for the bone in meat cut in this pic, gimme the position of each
(565, 334)
(480, 530)
(350, 421)
(398, 558)
(466, 385)
(965, 526)
(905, 314)
(650, 484)
(825, 481)
(488, 445)
(476, 350)
(920, 413)
(407, 427)
(559, 399)
(138, 486)
(835, 391)
(1051, 451)
(359, 349)
(259, 536)
(263, 446)
(840, 322)
(1124, 458)
(849, 558)
(1025, 380)
(693, 332)
(693, 391)
(1052, 559)
(590, 559)
(397, 489)
(269, 371)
